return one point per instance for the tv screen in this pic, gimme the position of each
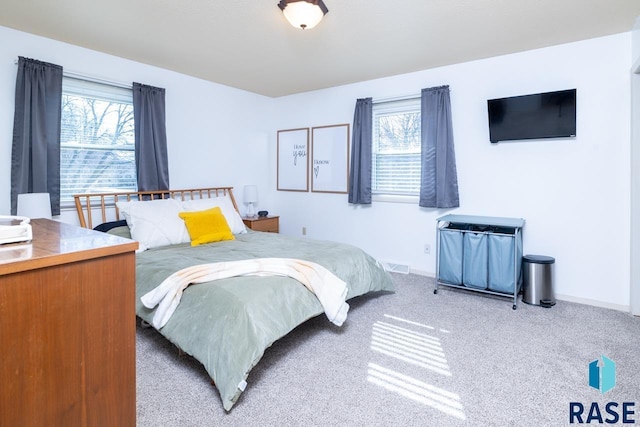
(542, 115)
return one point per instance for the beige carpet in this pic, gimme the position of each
(409, 359)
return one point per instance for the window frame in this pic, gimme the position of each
(106, 92)
(410, 104)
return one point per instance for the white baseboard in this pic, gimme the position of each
(593, 302)
(423, 273)
(562, 297)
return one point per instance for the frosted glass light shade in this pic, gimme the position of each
(304, 14)
(34, 205)
(250, 194)
(250, 197)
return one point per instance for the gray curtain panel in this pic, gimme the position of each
(152, 162)
(439, 180)
(361, 142)
(35, 151)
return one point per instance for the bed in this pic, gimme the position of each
(225, 324)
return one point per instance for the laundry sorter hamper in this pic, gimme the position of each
(478, 253)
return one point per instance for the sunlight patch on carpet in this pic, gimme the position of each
(416, 348)
(416, 390)
(411, 322)
(416, 344)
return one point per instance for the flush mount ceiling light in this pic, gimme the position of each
(304, 14)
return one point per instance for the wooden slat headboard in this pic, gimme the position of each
(104, 204)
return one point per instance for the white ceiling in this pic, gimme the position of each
(247, 44)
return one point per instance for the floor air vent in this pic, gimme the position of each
(396, 267)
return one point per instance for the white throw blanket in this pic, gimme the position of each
(327, 287)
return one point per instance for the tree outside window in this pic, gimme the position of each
(396, 147)
(97, 139)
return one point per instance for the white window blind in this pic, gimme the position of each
(396, 147)
(97, 139)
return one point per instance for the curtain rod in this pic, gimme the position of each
(93, 79)
(397, 98)
(406, 97)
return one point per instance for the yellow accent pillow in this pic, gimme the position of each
(207, 226)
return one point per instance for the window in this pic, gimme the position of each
(396, 147)
(97, 151)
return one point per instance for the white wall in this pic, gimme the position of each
(635, 169)
(573, 193)
(217, 136)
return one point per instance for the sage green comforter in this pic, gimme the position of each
(227, 324)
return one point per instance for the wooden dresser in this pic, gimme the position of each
(67, 329)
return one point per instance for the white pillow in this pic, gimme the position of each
(155, 223)
(226, 206)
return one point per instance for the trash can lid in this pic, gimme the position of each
(539, 259)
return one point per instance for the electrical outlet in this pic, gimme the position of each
(304, 231)
(427, 249)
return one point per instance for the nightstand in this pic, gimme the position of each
(270, 224)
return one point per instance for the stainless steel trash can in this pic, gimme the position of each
(537, 274)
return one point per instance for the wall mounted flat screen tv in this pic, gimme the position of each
(542, 115)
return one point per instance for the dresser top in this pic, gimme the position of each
(56, 243)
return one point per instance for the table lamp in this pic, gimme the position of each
(250, 194)
(34, 205)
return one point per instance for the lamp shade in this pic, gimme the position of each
(304, 14)
(34, 205)
(250, 194)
